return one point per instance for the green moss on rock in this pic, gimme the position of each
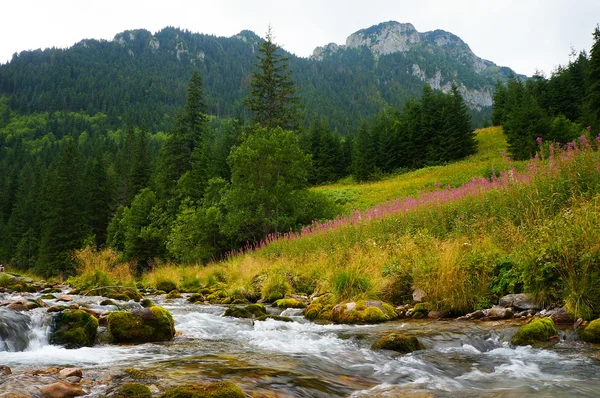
(73, 329)
(537, 331)
(591, 333)
(134, 390)
(173, 294)
(146, 303)
(249, 311)
(166, 286)
(141, 326)
(289, 303)
(398, 342)
(362, 312)
(222, 389)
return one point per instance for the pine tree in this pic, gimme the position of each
(499, 104)
(593, 95)
(363, 159)
(63, 224)
(139, 173)
(187, 135)
(272, 99)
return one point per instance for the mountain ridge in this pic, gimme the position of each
(142, 75)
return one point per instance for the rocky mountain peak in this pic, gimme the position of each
(385, 38)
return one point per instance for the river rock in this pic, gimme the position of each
(65, 298)
(538, 330)
(497, 312)
(68, 372)
(61, 390)
(73, 329)
(5, 370)
(398, 342)
(435, 314)
(17, 306)
(141, 325)
(14, 395)
(363, 311)
(561, 316)
(521, 301)
(419, 295)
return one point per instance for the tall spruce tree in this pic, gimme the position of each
(63, 219)
(593, 94)
(272, 99)
(187, 135)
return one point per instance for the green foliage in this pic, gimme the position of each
(350, 283)
(268, 181)
(194, 235)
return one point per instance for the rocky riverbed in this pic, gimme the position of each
(281, 353)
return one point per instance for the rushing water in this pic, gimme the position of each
(305, 359)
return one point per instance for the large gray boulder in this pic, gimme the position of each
(520, 301)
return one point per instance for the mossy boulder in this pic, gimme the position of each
(173, 294)
(196, 298)
(166, 286)
(363, 311)
(249, 311)
(141, 326)
(537, 331)
(398, 342)
(289, 303)
(419, 311)
(591, 333)
(134, 390)
(146, 303)
(73, 329)
(221, 389)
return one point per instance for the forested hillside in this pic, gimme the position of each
(140, 76)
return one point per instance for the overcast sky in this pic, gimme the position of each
(525, 34)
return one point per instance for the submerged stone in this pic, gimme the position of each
(134, 390)
(537, 331)
(275, 318)
(398, 342)
(141, 326)
(221, 389)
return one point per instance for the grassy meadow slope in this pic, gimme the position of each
(529, 227)
(491, 146)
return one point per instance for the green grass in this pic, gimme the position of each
(491, 145)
